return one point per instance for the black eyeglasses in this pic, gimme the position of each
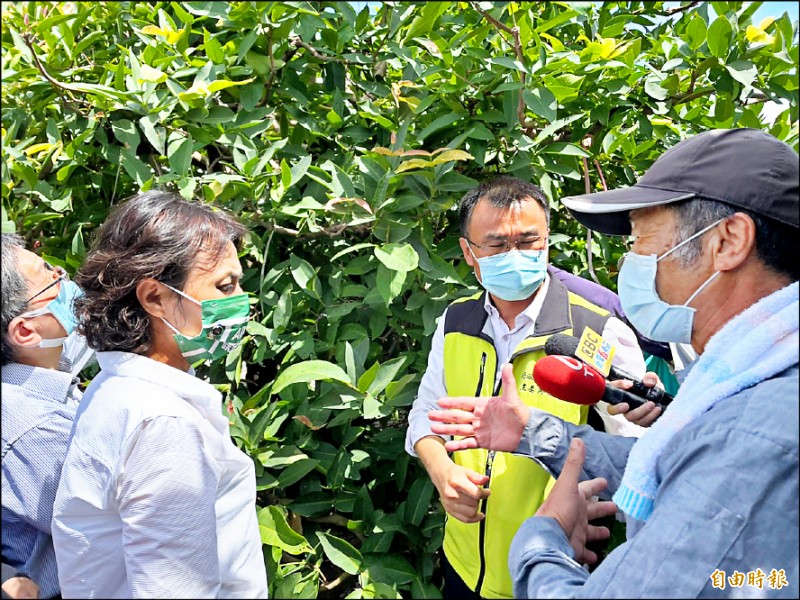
(62, 276)
(536, 242)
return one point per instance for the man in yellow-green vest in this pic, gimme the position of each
(487, 495)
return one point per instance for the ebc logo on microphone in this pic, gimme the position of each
(597, 352)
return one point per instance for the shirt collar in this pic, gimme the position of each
(531, 311)
(58, 384)
(200, 394)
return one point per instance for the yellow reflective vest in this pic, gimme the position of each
(478, 552)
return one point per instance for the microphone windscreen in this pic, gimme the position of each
(561, 344)
(569, 379)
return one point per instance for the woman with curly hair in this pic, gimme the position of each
(155, 500)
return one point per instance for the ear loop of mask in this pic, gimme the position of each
(38, 312)
(686, 241)
(167, 323)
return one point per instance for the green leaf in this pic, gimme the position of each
(151, 75)
(213, 47)
(305, 275)
(296, 471)
(719, 37)
(78, 246)
(424, 591)
(312, 504)
(559, 19)
(222, 84)
(139, 171)
(179, 154)
(542, 102)
(743, 71)
(419, 500)
(299, 170)
(389, 283)
(125, 131)
(398, 257)
(564, 149)
(310, 370)
(696, 32)
(275, 531)
(341, 553)
(437, 124)
(386, 374)
(389, 568)
(157, 136)
(652, 86)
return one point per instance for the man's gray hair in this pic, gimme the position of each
(776, 243)
(691, 217)
(15, 291)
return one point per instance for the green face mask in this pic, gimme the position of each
(224, 322)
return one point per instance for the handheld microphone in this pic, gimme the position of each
(574, 381)
(560, 344)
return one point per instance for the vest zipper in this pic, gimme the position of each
(484, 502)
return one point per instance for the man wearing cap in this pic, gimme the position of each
(710, 490)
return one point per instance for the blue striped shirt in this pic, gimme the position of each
(38, 408)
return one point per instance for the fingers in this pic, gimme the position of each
(452, 415)
(644, 415)
(591, 487)
(598, 510)
(478, 479)
(466, 443)
(462, 496)
(586, 557)
(596, 533)
(650, 379)
(571, 471)
(509, 383)
(465, 514)
(460, 402)
(618, 409)
(448, 429)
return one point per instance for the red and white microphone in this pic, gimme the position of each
(574, 381)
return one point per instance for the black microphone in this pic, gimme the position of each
(572, 380)
(561, 344)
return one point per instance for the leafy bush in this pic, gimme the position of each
(343, 140)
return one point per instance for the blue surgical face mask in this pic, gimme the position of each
(61, 307)
(648, 313)
(513, 275)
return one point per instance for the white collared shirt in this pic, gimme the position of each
(628, 357)
(155, 500)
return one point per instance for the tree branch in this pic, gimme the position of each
(297, 42)
(672, 11)
(333, 231)
(57, 84)
(528, 127)
(600, 173)
(328, 586)
(689, 96)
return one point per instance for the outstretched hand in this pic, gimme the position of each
(570, 504)
(494, 423)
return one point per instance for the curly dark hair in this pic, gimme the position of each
(156, 234)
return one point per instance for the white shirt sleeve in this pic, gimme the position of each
(627, 357)
(431, 388)
(167, 489)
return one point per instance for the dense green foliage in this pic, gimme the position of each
(343, 140)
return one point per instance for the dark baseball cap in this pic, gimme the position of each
(746, 168)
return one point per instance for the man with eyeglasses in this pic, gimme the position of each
(487, 495)
(39, 400)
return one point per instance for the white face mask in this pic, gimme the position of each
(648, 313)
